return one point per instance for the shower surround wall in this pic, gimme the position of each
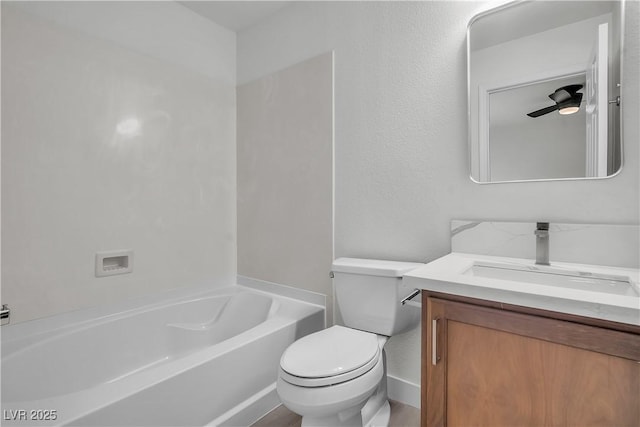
(285, 177)
(401, 169)
(79, 177)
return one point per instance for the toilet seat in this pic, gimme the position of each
(331, 356)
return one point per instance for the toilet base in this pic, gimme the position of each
(336, 420)
(378, 419)
(381, 418)
(375, 412)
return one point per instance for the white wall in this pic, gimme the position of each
(401, 133)
(164, 30)
(72, 185)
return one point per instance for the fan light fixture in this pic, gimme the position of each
(568, 110)
(567, 100)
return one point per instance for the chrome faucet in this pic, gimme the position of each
(542, 243)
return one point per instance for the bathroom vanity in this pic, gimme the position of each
(508, 339)
(506, 342)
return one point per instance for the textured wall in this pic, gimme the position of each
(401, 132)
(73, 184)
(285, 176)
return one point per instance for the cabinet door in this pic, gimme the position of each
(483, 366)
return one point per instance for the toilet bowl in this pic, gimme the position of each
(328, 377)
(337, 376)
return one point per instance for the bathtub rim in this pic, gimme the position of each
(58, 323)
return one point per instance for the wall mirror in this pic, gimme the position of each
(544, 91)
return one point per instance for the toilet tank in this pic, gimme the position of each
(368, 294)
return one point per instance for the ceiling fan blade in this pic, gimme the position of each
(542, 111)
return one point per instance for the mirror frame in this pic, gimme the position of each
(620, 127)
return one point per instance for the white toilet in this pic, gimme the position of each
(337, 377)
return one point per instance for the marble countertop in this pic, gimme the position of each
(450, 274)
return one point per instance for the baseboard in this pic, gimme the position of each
(403, 391)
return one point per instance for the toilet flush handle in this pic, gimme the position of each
(409, 297)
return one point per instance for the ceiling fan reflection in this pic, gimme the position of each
(567, 99)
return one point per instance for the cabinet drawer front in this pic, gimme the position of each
(612, 342)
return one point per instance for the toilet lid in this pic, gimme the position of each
(331, 352)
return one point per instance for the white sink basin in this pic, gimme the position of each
(548, 275)
(608, 293)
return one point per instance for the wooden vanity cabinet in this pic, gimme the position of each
(488, 364)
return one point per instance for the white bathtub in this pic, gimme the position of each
(204, 359)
